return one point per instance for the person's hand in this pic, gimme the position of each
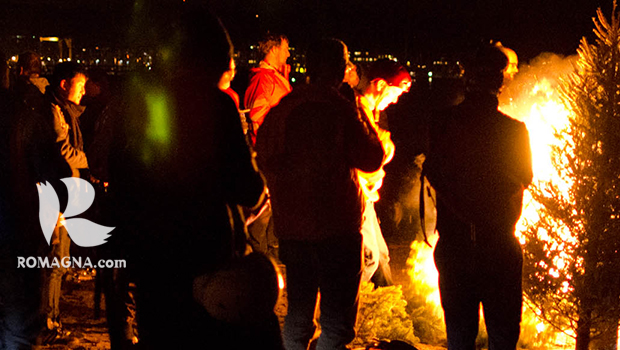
(244, 121)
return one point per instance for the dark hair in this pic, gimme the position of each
(484, 70)
(390, 71)
(66, 71)
(269, 41)
(326, 62)
(197, 43)
(30, 62)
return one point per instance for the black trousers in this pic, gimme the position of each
(333, 267)
(480, 272)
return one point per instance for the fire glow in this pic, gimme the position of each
(534, 98)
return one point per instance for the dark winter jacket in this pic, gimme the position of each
(42, 149)
(180, 164)
(69, 144)
(309, 147)
(479, 163)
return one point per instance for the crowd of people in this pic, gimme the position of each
(207, 194)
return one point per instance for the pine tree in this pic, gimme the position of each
(572, 259)
(383, 316)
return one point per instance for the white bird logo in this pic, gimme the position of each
(84, 233)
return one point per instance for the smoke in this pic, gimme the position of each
(537, 81)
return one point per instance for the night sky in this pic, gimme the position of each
(415, 28)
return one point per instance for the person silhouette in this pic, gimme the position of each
(309, 147)
(479, 163)
(180, 171)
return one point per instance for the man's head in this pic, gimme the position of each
(351, 75)
(274, 48)
(190, 42)
(387, 80)
(513, 62)
(206, 45)
(29, 64)
(326, 61)
(68, 81)
(484, 71)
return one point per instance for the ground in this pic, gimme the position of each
(90, 332)
(77, 305)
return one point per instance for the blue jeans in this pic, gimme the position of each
(332, 267)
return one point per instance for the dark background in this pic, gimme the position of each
(406, 28)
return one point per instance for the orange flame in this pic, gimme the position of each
(534, 99)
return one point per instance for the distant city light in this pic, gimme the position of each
(120, 60)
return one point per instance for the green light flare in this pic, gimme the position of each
(159, 126)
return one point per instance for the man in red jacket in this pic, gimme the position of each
(269, 81)
(268, 84)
